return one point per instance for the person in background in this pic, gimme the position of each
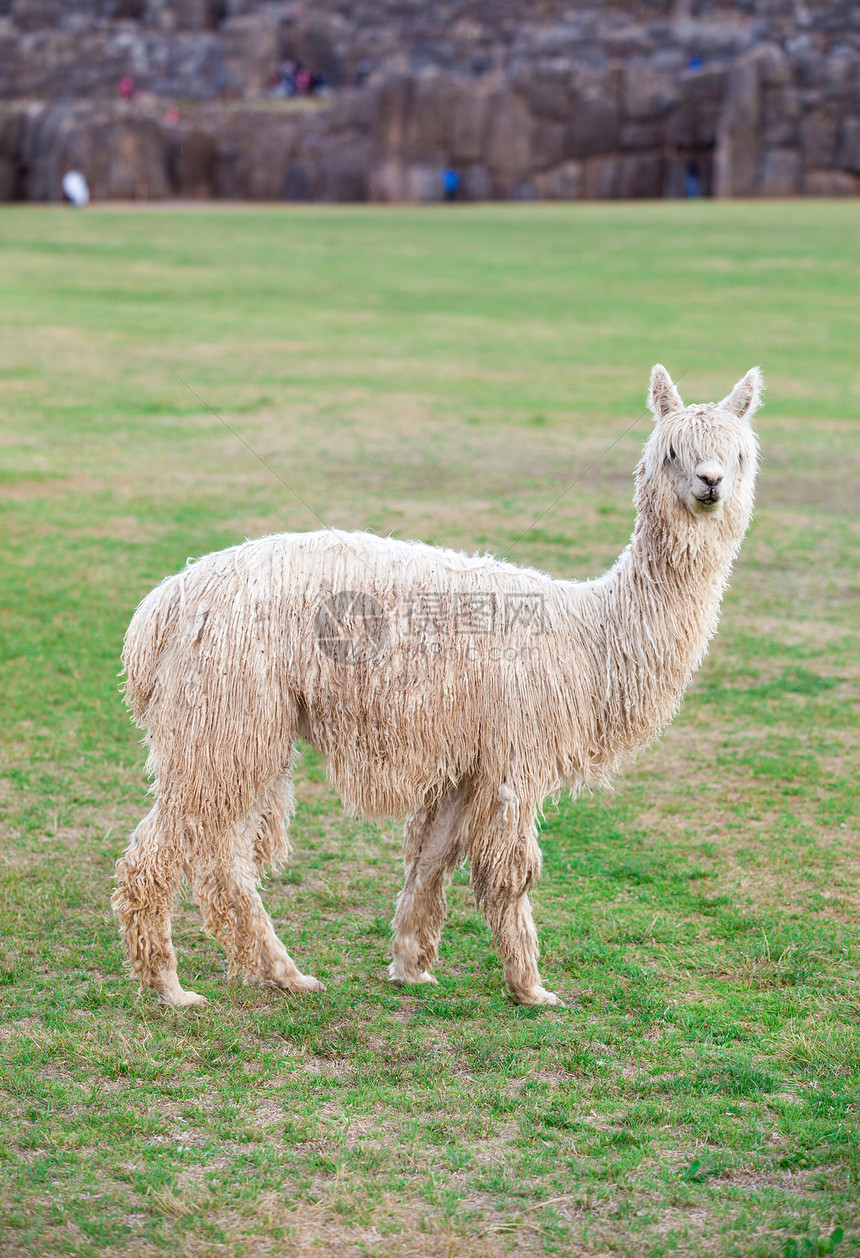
(692, 180)
(450, 183)
(75, 189)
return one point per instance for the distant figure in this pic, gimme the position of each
(692, 181)
(171, 117)
(75, 188)
(450, 183)
(286, 79)
(125, 87)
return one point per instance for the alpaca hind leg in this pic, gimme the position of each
(433, 847)
(147, 878)
(505, 863)
(226, 888)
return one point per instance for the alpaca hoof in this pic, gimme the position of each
(398, 975)
(182, 999)
(539, 996)
(304, 983)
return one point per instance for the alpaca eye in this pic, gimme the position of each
(672, 455)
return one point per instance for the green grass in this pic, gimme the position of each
(448, 376)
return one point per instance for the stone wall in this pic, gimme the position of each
(644, 99)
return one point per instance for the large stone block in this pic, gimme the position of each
(831, 183)
(561, 183)
(646, 91)
(546, 87)
(781, 111)
(300, 181)
(254, 153)
(849, 145)
(120, 152)
(781, 173)
(251, 53)
(819, 133)
(8, 179)
(774, 68)
(737, 151)
(594, 127)
(387, 181)
(478, 184)
(394, 95)
(511, 136)
(124, 157)
(430, 116)
(345, 173)
(549, 143)
(642, 135)
(640, 175)
(471, 123)
(601, 177)
(842, 68)
(423, 181)
(192, 163)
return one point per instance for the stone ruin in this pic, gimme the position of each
(536, 99)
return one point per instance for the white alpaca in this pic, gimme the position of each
(459, 691)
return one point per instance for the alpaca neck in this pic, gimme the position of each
(658, 607)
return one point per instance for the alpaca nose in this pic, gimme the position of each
(710, 478)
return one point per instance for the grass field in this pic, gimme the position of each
(445, 376)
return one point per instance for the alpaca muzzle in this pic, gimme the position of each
(707, 493)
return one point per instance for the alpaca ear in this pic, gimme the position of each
(663, 397)
(746, 397)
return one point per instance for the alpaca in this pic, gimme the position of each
(459, 691)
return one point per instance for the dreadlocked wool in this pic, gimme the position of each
(458, 691)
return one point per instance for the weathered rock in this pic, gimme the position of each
(601, 178)
(781, 113)
(251, 52)
(819, 132)
(640, 175)
(647, 92)
(737, 149)
(601, 100)
(430, 115)
(8, 179)
(122, 154)
(849, 147)
(478, 184)
(594, 127)
(831, 183)
(549, 143)
(641, 135)
(344, 172)
(546, 88)
(510, 140)
(393, 102)
(781, 173)
(470, 124)
(192, 163)
(561, 183)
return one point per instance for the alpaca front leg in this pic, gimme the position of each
(505, 864)
(147, 878)
(433, 848)
(227, 893)
(515, 937)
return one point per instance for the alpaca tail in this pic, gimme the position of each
(153, 626)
